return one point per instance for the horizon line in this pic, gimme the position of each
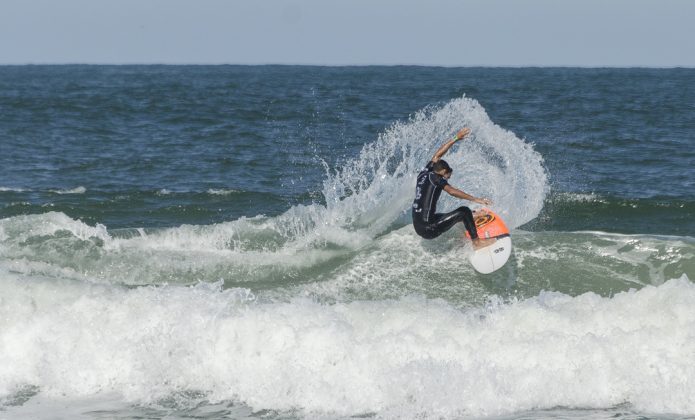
(271, 64)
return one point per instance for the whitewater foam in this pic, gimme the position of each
(342, 267)
(601, 261)
(405, 357)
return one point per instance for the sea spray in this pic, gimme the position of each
(492, 162)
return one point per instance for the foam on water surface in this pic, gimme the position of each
(396, 357)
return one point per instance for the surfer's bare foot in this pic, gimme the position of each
(482, 243)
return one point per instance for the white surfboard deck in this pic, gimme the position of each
(492, 257)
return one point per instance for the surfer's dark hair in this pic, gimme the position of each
(441, 164)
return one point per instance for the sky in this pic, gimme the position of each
(587, 33)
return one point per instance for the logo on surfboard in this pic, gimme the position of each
(484, 219)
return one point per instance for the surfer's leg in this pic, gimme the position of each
(469, 222)
(424, 230)
(447, 220)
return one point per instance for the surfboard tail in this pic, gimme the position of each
(491, 258)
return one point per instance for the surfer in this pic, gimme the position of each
(430, 183)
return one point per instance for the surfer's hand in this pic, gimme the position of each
(462, 133)
(484, 201)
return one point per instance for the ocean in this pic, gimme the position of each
(236, 242)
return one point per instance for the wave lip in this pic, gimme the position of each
(407, 357)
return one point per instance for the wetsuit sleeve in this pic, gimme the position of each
(429, 166)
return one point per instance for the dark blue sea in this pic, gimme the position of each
(235, 242)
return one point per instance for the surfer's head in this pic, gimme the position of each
(441, 167)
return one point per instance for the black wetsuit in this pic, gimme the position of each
(426, 221)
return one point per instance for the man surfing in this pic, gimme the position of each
(430, 182)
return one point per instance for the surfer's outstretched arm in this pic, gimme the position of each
(465, 196)
(446, 146)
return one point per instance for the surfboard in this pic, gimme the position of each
(492, 257)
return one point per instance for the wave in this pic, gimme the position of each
(12, 189)
(605, 212)
(407, 357)
(395, 263)
(125, 193)
(365, 199)
(155, 208)
(222, 191)
(76, 190)
(569, 262)
(210, 191)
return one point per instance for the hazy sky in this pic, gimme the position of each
(657, 33)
